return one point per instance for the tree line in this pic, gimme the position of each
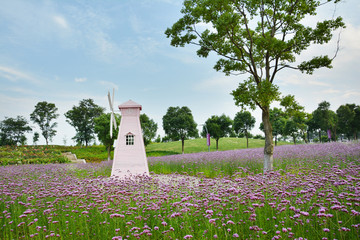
(288, 120)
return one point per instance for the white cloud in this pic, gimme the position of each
(61, 21)
(330, 91)
(14, 75)
(317, 83)
(351, 93)
(218, 83)
(80, 79)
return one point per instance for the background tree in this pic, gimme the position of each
(102, 130)
(218, 127)
(43, 115)
(325, 118)
(36, 138)
(348, 120)
(82, 119)
(12, 131)
(296, 117)
(149, 128)
(243, 123)
(356, 122)
(178, 123)
(345, 117)
(259, 38)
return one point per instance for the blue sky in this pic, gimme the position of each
(65, 51)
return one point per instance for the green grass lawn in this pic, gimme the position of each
(199, 145)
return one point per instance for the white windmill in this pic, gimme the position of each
(112, 118)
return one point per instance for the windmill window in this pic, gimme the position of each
(130, 139)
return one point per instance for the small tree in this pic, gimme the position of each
(178, 123)
(43, 115)
(325, 118)
(148, 127)
(243, 123)
(218, 127)
(82, 119)
(296, 118)
(102, 130)
(12, 131)
(36, 138)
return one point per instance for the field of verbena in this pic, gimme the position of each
(314, 193)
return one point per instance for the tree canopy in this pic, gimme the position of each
(257, 38)
(43, 115)
(82, 119)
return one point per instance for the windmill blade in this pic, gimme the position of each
(111, 116)
(110, 103)
(114, 120)
(111, 125)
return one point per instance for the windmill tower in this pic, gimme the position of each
(129, 156)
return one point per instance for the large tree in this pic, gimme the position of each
(258, 38)
(102, 130)
(243, 123)
(148, 127)
(178, 123)
(12, 131)
(43, 115)
(82, 119)
(218, 127)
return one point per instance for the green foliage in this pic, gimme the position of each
(43, 115)
(12, 131)
(251, 94)
(149, 128)
(82, 119)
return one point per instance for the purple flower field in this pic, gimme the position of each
(314, 193)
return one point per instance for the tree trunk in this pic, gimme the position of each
(275, 140)
(320, 135)
(182, 144)
(247, 139)
(109, 152)
(217, 144)
(269, 145)
(294, 138)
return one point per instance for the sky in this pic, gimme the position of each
(65, 51)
